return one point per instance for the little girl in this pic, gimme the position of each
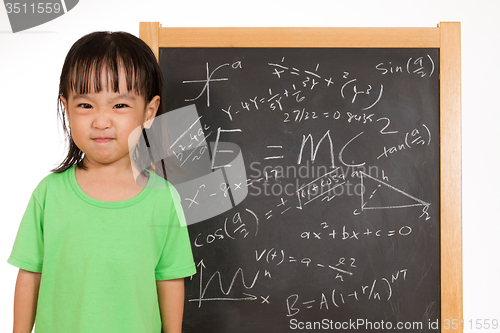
(98, 250)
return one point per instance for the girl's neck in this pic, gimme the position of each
(109, 182)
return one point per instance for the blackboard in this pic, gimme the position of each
(342, 221)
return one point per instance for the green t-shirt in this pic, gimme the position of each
(100, 260)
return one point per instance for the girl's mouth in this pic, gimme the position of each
(102, 140)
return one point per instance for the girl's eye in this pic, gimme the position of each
(85, 106)
(120, 106)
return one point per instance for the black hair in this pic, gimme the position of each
(109, 51)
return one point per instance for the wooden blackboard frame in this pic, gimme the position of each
(445, 37)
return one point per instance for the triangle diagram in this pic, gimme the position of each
(377, 194)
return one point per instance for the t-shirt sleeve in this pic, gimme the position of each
(27, 252)
(176, 260)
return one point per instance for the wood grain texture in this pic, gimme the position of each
(148, 32)
(451, 175)
(300, 37)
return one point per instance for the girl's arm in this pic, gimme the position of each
(171, 301)
(25, 300)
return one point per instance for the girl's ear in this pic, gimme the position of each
(151, 109)
(65, 105)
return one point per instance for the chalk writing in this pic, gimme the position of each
(378, 290)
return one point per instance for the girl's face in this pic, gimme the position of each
(101, 123)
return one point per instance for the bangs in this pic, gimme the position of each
(102, 73)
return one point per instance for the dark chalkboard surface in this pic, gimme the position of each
(341, 222)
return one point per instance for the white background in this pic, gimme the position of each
(32, 141)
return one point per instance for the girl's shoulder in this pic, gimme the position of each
(156, 182)
(53, 182)
(58, 177)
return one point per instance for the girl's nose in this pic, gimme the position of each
(102, 120)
